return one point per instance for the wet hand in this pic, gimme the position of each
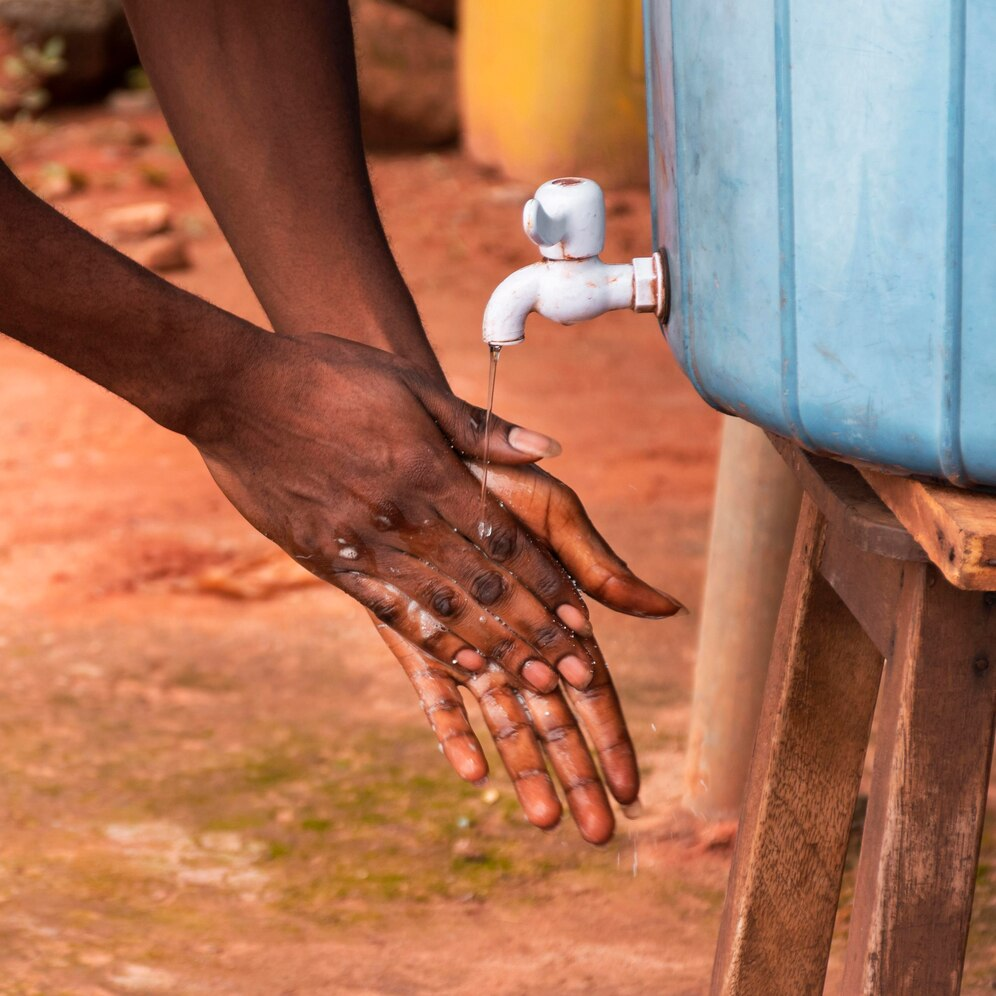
(349, 458)
(553, 513)
(526, 727)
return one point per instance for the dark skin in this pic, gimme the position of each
(524, 729)
(346, 447)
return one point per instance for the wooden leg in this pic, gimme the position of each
(784, 885)
(916, 874)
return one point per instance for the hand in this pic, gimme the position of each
(556, 518)
(346, 456)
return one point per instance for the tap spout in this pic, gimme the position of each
(513, 299)
(566, 219)
(566, 291)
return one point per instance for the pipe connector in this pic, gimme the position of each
(566, 219)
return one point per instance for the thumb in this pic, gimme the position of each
(554, 513)
(467, 427)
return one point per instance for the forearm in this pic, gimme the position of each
(67, 294)
(264, 107)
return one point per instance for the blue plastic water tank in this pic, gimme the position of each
(824, 179)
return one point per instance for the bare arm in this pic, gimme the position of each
(69, 295)
(341, 453)
(263, 105)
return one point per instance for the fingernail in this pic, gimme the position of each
(481, 782)
(533, 443)
(633, 810)
(575, 670)
(680, 609)
(539, 676)
(677, 608)
(469, 660)
(574, 619)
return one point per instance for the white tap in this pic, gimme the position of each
(566, 219)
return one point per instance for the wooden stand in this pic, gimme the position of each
(882, 568)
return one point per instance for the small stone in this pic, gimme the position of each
(119, 133)
(94, 959)
(225, 841)
(163, 252)
(490, 796)
(131, 101)
(59, 181)
(467, 850)
(145, 979)
(137, 221)
(54, 188)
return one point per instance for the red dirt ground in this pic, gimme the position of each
(215, 778)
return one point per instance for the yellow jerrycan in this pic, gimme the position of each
(549, 87)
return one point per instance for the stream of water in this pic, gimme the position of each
(492, 375)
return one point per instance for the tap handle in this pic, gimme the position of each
(566, 218)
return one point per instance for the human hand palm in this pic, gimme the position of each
(526, 726)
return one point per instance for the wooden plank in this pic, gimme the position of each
(916, 873)
(956, 528)
(869, 585)
(785, 881)
(849, 503)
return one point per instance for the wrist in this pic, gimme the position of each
(359, 294)
(374, 308)
(197, 387)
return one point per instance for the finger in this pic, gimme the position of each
(443, 707)
(471, 621)
(489, 608)
(532, 591)
(508, 572)
(554, 513)
(600, 712)
(509, 725)
(472, 432)
(408, 612)
(568, 753)
(416, 625)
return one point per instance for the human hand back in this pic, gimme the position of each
(348, 457)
